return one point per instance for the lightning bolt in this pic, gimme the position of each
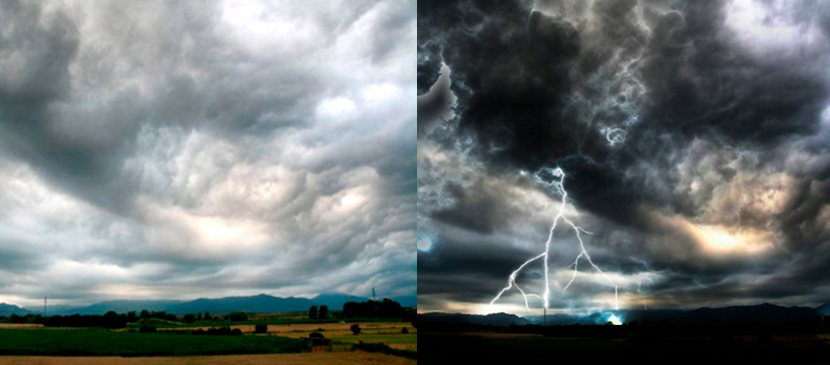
(511, 281)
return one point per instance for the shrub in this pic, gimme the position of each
(261, 328)
(355, 329)
(221, 331)
(238, 316)
(147, 329)
(316, 335)
(404, 330)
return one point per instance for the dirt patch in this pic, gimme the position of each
(17, 326)
(287, 359)
(404, 346)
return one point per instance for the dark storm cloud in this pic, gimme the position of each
(666, 117)
(224, 143)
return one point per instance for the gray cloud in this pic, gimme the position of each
(693, 136)
(167, 149)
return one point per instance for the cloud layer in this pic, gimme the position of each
(167, 150)
(693, 136)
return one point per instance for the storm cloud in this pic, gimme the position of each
(693, 135)
(202, 149)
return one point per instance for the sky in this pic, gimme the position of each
(186, 149)
(692, 139)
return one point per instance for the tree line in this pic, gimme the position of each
(114, 320)
(369, 309)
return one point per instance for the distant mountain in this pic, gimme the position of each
(256, 304)
(763, 313)
(9, 309)
(407, 301)
(497, 319)
(335, 301)
(823, 309)
(119, 306)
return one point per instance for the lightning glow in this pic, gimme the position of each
(511, 281)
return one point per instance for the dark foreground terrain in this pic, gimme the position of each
(656, 344)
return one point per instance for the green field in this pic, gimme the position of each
(56, 342)
(372, 338)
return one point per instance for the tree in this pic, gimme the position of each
(199, 317)
(207, 316)
(145, 314)
(261, 328)
(355, 329)
(312, 313)
(189, 318)
(324, 312)
(238, 316)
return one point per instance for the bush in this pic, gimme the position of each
(383, 348)
(147, 329)
(221, 331)
(404, 330)
(316, 335)
(261, 328)
(355, 329)
(238, 316)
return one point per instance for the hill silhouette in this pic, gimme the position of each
(9, 309)
(762, 313)
(261, 303)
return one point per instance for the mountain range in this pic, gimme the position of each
(766, 313)
(9, 309)
(262, 303)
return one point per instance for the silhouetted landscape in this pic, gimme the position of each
(760, 334)
(260, 304)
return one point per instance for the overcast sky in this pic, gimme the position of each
(185, 149)
(694, 138)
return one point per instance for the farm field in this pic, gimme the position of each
(70, 342)
(371, 332)
(343, 358)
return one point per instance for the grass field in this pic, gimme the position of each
(371, 332)
(343, 358)
(58, 342)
